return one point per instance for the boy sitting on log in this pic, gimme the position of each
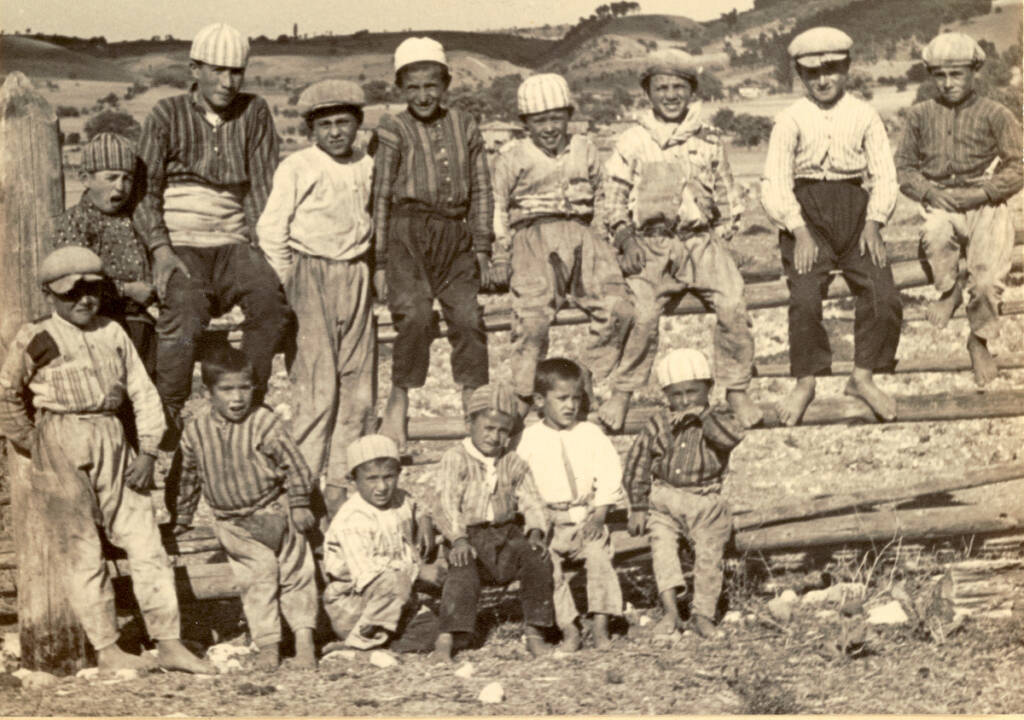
(61, 386)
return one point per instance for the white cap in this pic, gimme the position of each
(820, 45)
(370, 447)
(419, 49)
(682, 365)
(220, 45)
(952, 50)
(540, 93)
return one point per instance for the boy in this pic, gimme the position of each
(481, 487)
(102, 222)
(544, 189)
(73, 371)
(820, 151)
(315, 232)
(372, 555)
(674, 473)
(960, 158)
(433, 211)
(257, 485)
(578, 474)
(665, 183)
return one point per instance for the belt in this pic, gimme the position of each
(544, 219)
(412, 209)
(802, 181)
(565, 505)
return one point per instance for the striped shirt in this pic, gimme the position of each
(69, 370)
(843, 142)
(441, 164)
(179, 145)
(529, 183)
(949, 146)
(682, 451)
(240, 467)
(364, 541)
(470, 495)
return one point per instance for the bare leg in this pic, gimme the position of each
(862, 385)
(467, 393)
(571, 638)
(704, 627)
(670, 621)
(305, 656)
(172, 655)
(443, 647)
(746, 410)
(112, 658)
(985, 368)
(396, 417)
(612, 412)
(602, 641)
(940, 311)
(791, 411)
(535, 643)
(269, 657)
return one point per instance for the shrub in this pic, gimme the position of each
(724, 119)
(113, 121)
(751, 130)
(67, 111)
(73, 138)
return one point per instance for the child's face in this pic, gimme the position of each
(549, 130)
(827, 82)
(80, 304)
(954, 83)
(489, 431)
(560, 405)
(376, 481)
(423, 88)
(669, 95)
(231, 395)
(218, 86)
(335, 133)
(688, 396)
(108, 189)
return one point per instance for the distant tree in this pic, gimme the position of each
(114, 121)
(709, 87)
(74, 138)
(622, 99)
(109, 99)
(751, 130)
(730, 18)
(724, 119)
(282, 39)
(67, 111)
(376, 91)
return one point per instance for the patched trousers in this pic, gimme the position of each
(604, 595)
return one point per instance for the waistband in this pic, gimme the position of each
(707, 487)
(486, 525)
(804, 181)
(546, 219)
(45, 413)
(412, 208)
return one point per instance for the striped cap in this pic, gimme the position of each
(495, 396)
(108, 151)
(952, 49)
(682, 365)
(672, 62)
(820, 45)
(61, 269)
(220, 45)
(330, 93)
(540, 93)
(419, 49)
(370, 447)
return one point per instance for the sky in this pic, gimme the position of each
(134, 19)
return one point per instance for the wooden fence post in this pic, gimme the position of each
(31, 199)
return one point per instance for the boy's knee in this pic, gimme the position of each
(532, 326)
(466, 317)
(182, 314)
(417, 317)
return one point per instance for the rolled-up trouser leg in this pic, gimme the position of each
(664, 533)
(297, 579)
(989, 260)
(609, 303)
(651, 290)
(563, 547)
(459, 599)
(255, 567)
(533, 302)
(940, 243)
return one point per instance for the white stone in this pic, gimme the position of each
(644, 621)
(229, 665)
(465, 670)
(127, 674)
(381, 659)
(891, 613)
(37, 679)
(336, 655)
(88, 673)
(733, 616)
(788, 595)
(12, 645)
(21, 673)
(224, 651)
(781, 608)
(492, 693)
(826, 614)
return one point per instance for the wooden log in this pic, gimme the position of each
(939, 363)
(987, 588)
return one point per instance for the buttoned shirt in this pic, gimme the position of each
(844, 142)
(955, 146)
(683, 451)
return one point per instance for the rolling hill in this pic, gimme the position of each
(41, 59)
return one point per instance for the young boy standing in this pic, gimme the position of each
(674, 473)
(61, 386)
(372, 556)
(258, 487)
(315, 232)
(821, 150)
(578, 474)
(481, 488)
(544, 192)
(433, 211)
(960, 158)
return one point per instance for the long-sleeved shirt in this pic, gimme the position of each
(684, 451)
(179, 145)
(949, 146)
(476, 489)
(843, 142)
(694, 148)
(441, 164)
(596, 478)
(529, 183)
(240, 466)
(364, 541)
(68, 369)
(317, 206)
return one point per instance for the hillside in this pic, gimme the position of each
(40, 59)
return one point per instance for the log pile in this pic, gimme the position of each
(988, 588)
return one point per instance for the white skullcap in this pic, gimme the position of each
(419, 49)
(371, 447)
(539, 93)
(952, 49)
(820, 45)
(682, 365)
(330, 93)
(220, 45)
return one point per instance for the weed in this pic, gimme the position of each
(764, 695)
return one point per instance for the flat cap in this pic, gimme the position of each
(108, 151)
(419, 49)
(672, 62)
(220, 45)
(495, 396)
(330, 93)
(820, 45)
(952, 49)
(543, 92)
(62, 268)
(682, 365)
(370, 447)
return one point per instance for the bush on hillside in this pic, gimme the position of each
(114, 121)
(748, 130)
(176, 77)
(67, 111)
(73, 138)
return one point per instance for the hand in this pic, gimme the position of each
(425, 542)
(483, 265)
(942, 199)
(806, 250)
(498, 274)
(140, 292)
(462, 553)
(968, 198)
(380, 285)
(334, 497)
(871, 242)
(139, 474)
(593, 526)
(302, 519)
(637, 524)
(536, 540)
(180, 529)
(631, 258)
(165, 264)
(728, 232)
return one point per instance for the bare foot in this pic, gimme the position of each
(112, 658)
(746, 410)
(443, 647)
(396, 418)
(571, 638)
(791, 411)
(602, 641)
(940, 311)
(612, 412)
(172, 655)
(305, 654)
(985, 368)
(268, 658)
(862, 385)
(668, 625)
(704, 627)
(536, 645)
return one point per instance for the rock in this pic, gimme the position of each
(382, 659)
(36, 679)
(12, 645)
(815, 597)
(254, 690)
(228, 666)
(492, 693)
(733, 616)
(224, 651)
(88, 673)
(127, 674)
(826, 614)
(891, 613)
(788, 595)
(781, 608)
(614, 677)
(465, 670)
(644, 621)
(337, 655)
(21, 673)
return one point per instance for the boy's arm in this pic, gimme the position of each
(262, 157)
(726, 191)
(1009, 176)
(275, 222)
(24, 356)
(636, 477)
(278, 445)
(504, 182)
(885, 188)
(608, 489)
(721, 428)
(777, 194)
(909, 158)
(615, 187)
(150, 422)
(154, 147)
(528, 499)
(385, 170)
(452, 471)
(189, 484)
(481, 197)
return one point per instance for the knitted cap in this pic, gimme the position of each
(539, 93)
(682, 365)
(820, 45)
(495, 396)
(61, 269)
(370, 447)
(220, 45)
(419, 49)
(672, 62)
(952, 49)
(108, 151)
(330, 93)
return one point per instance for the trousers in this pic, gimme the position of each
(604, 595)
